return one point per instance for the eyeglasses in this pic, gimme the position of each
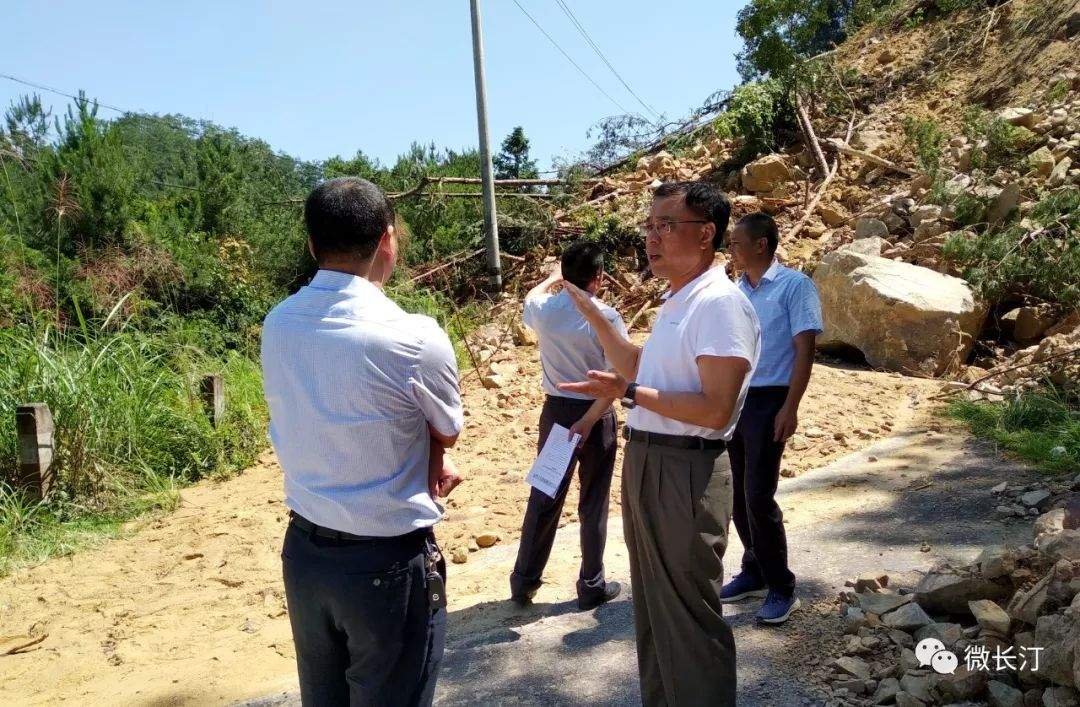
(664, 228)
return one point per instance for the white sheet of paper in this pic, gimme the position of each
(551, 465)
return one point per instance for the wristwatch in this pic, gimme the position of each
(629, 395)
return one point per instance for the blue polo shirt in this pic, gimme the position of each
(787, 304)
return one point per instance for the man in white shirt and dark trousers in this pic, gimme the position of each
(687, 387)
(569, 348)
(788, 308)
(363, 401)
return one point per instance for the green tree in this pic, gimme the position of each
(778, 34)
(513, 161)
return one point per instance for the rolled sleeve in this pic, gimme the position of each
(727, 330)
(433, 385)
(804, 308)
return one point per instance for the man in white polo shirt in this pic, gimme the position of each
(687, 386)
(363, 400)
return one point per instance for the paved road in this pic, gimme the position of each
(896, 507)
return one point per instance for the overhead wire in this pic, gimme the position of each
(570, 59)
(580, 28)
(58, 92)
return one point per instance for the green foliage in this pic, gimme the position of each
(513, 161)
(778, 35)
(1041, 426)
(1015, 262)
(948, 7)
(1058, 92)
(927, 140)
(139, 253)
(128, 419)
(999, 144)
(757, 112)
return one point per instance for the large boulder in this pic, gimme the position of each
(901, 317)
(766, 174)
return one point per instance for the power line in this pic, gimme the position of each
(568, 58)
(58, 92)
(569, 13)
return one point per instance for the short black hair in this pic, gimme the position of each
(582, 262)
(346, 217)
(704, 199)
(760, 225)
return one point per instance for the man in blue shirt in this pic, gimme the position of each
(788, 308)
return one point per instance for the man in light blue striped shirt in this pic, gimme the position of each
(363, 400)
(788, 309)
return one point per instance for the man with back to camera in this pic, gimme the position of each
(788, 308)
(686, 386)
(363, 401)
(569, 348)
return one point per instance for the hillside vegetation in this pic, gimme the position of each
(138, 254)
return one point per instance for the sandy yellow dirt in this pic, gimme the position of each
(189, 607)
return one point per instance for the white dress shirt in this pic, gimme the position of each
(709, 316)
(352, 383)
(569, 348)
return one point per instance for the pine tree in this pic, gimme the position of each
(513, 161)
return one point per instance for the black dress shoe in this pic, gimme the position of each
(592, 600)
(524, 598)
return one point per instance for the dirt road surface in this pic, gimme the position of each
(189, 608)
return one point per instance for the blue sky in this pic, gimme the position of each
(320, 78)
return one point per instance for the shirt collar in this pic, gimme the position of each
(697, 283)
(770, 274)
(337, 281)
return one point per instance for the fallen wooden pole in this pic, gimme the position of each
(453, 261)
(843, 149)
(507, 182)
(477, 195)
(808, 127)
(812, 207)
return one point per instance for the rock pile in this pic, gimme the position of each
(1011, 619)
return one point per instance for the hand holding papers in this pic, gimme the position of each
(551, 465)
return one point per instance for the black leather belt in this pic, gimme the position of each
(308, 527)
(675, 441)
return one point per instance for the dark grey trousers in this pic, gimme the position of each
(755, 469)
(363, 626)
(596, 463)
(676, 509)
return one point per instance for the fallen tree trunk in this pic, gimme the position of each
(844, 149)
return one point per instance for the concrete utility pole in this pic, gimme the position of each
(491, 224)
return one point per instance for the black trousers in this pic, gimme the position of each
(364, 630)
(596, 462)
(755, 471)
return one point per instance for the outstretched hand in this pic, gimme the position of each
(601, 384)
(583, 301)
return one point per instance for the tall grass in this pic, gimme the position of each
(1041, 426)
(130, 429)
